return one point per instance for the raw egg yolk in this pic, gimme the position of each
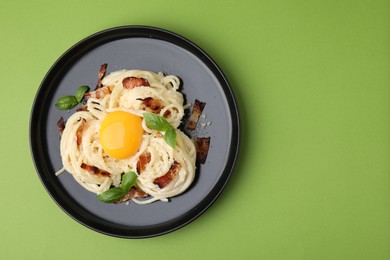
(121, 134)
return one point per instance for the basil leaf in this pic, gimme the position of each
(159, 123)
(170, 137)
(112, 195)
(66, 102)
(128, 180)
(116, 193)
(156, 122)
(80, 93)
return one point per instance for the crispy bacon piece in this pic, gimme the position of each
(79, 132)
(132, 82)
(154, 105)
(134, 192)
(142, 161)
(202, 145)
(168, 177)
(61, 125)
(196, 112)
(83, 108)
(99, 93)
(102, 72)
(94, 170)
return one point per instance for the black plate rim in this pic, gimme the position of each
(144, 32)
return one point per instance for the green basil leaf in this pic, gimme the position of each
(112, 195)
(128, 180)
(170, 137)
(80, 93)
(116, 193)
(66, 102)
(156, 122)
(159, 123)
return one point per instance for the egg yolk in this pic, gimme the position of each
(121, 134)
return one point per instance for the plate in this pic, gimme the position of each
(145, 48)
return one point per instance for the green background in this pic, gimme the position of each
(312, 81)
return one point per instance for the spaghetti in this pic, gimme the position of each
(166, 171)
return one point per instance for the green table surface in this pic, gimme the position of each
(312, 81)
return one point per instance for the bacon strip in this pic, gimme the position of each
(134, 192)
(99, 93)
(164, 180)
(94, 170)
(196, 112)
(61, 125)
(132, 82)
(142, 161)
(102, 72)
(153, 105)
(202, 145)
(83, 108)
(79, 132)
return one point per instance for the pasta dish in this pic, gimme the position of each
(110, 136)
